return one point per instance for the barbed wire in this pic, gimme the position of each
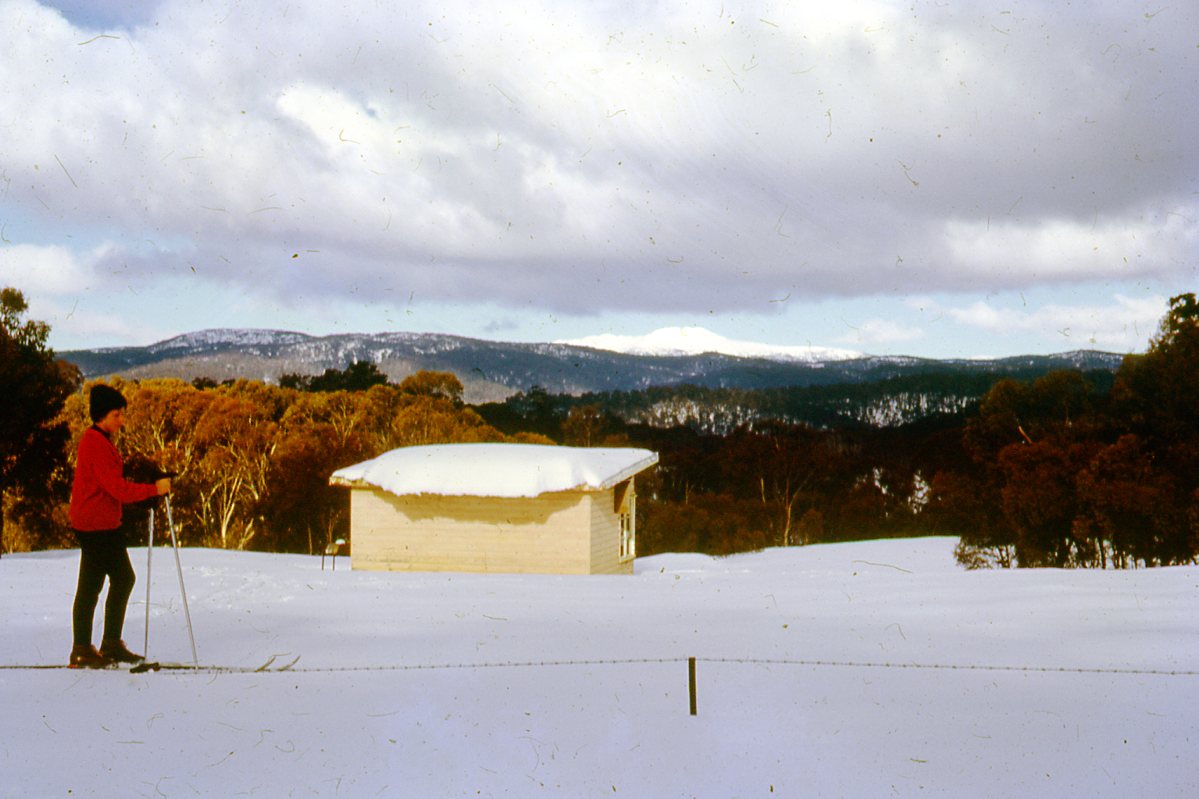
(292, 668)
(758, 662)
(957, 667)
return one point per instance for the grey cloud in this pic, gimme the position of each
(619, 159)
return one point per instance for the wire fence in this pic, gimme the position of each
(294, 668)
(290, 668)
(754, 662)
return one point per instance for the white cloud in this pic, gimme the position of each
(91, 329)
(45, 270)
(881, 333)
(1123, 326)
(1063, 250)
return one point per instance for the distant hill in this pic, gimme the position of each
(492, 371)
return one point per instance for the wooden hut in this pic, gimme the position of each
(495, 508)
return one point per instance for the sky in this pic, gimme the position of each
(972, 180)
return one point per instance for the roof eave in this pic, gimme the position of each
(626, 473)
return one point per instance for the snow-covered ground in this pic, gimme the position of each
(578, 686)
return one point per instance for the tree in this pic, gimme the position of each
(583, 425)
(1156, 394)
(35, 385)
(434, 384)
(358, 376)
(420, 420)
(969, 506)
(319, 434)
(1157, 391)
(1028, 443)
(716, 524)
(777, 463)
(235, 440)
(810, 528)
(1130, 507)
(1040, 502)
(536, 411)
(1057, 406)
(1087, 479)
(217, 441)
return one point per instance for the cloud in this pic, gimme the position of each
(592, 157)
(44, 270)
(93, 329)
(1061, 250)
(881, 333)
(1123, 326)
(93, 15)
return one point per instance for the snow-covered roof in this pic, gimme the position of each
(496, 470)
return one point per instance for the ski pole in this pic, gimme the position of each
(179, 568)
(149, 555)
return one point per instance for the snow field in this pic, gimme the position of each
(480, 727)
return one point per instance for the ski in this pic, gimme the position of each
(267, 667)
(145, 666)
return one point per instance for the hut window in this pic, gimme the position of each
(626, 509)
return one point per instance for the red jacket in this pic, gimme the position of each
(100, 487)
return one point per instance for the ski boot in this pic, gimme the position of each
(85, 656)
(117, 652)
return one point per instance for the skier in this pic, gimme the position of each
(97, 494)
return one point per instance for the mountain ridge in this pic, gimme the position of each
(494, 370)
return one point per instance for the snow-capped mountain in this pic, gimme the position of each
(493, 370)
(229, 337)
(674, 341)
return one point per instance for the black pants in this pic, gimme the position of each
(102, 554)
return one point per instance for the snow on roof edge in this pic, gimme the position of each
(495, 470)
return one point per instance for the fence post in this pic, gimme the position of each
(691, 682)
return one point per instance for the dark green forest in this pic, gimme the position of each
(1068, 469)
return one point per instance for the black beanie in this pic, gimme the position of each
(104, 399)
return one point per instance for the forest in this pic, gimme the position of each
(1070, 469)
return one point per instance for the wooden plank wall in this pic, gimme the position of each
(550, 534)
(605, 536)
